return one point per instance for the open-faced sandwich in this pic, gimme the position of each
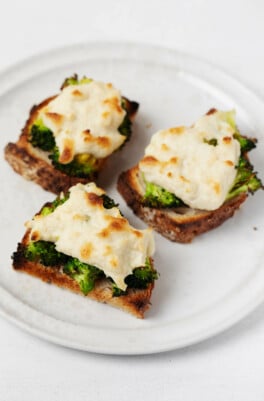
(82, 242)
(192, 179)
(68, 137)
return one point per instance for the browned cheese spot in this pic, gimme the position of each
(87, 135)
(229, 163)
(227, 140)
(55, 117)
(77, 217)
(77, 93)
(137, 233)
(114, 103)
(107, 250)
(35, 236)
(114, 262)
(117, 224)
(211, 111)
(164, 147)
(105, 114)
(103, 141)
(104, 233)
(184, 179)
(174, 160)
(169, 174)
(217, 187)
(109, 85)
(177, 130)
(94, 199)
(149, 160)
(68, 151)
(86, 250)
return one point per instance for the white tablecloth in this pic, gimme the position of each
(228, 367)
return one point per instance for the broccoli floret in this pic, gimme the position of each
(126, 127)
(212, 141)
(45, 253)
(52, 206)
(81, 166)
(246, 144)
(140, 278)
(74, 80)
(41, 136)
(116, 291)
(108, 202)
(83, 273)
(246, 179)
(156, 196)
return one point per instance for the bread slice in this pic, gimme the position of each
(34, 164)
(135, 301)
(179, 224)
(135, 297)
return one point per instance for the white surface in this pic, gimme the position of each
(191, 300)
(228, 367)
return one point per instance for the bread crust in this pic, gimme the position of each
(135, 301)
(34, 165)
(180, 224)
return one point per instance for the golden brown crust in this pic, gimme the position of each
(179, 224)
(28, 162)
(136, 301)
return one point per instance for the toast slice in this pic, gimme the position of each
(135, 299)
(167, 212)
(179, 224)
(35, 164)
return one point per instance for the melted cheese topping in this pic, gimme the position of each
(85, 119)
(82, 228)
(183, 161)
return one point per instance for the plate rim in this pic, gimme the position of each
(139, 350)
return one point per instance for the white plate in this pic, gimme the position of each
(204, 287)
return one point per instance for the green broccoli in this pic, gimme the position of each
(156, 196)
(45, 253)
(81, 166)
(108, 202)
(140, 278)
(53, 205)
(41, 136)
(74, 80)
(126, 127)
(212, 141)
(246, 179)
(83, 273)
(246, 144)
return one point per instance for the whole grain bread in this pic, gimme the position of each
(179, 224)
(135, 301)
(34, 164)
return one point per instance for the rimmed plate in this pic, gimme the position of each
(204, 287)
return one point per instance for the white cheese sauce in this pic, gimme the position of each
(82, 228)
(197, 163)
(85, 118)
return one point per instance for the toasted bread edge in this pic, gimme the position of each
(176, 225)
